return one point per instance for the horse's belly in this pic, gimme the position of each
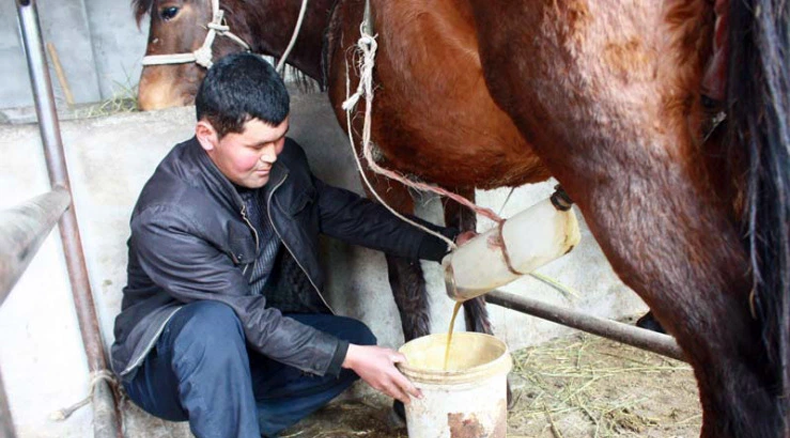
(461, 148)
(433, 116)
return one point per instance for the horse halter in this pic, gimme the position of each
(204, 56)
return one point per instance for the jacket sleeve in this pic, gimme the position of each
(189, 268)
(360, 221)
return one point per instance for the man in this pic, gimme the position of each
(222, 322)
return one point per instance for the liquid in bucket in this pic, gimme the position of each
(470, 398)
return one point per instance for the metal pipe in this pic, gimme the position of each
(6, 425)
(645, 339)
(58, 175)
(22, 230)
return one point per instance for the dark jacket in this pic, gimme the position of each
(191, 241)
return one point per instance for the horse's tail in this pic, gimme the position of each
(758, 107)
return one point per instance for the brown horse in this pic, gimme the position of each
(605, 96)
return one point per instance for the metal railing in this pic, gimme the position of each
(23, 229)
(634, 336)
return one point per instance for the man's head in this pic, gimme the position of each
(242, 110)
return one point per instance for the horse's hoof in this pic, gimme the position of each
(397, 416)
(649, 322)
(511, 400)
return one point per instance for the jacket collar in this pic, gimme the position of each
(218, 185)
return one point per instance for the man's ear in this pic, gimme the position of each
(206, 135)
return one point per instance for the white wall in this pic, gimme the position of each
(97, 41)
(109, 160)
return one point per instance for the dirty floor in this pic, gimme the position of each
(582, 386)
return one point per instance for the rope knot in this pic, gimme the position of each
(351, 102)
(219, 15)
(203, 56)
(96, 377)
(219, 27)
(367, 43)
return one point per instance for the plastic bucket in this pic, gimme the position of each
(468, 400)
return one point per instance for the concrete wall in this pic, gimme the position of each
(109, 159)
(97, 41)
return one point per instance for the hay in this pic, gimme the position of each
(123, 100)
(568, 385)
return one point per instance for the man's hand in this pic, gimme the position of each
(465, 237)
(376, 366)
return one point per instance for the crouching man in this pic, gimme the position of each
(223, 323)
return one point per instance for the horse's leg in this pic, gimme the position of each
(406, 278)
(405, 275)
(648, 321)
(408, 288)
(608, 97)
(464, 219)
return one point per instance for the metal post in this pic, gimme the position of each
(69, 231)
(626, 334)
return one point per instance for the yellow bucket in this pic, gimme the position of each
(469, 399)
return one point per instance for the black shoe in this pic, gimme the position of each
(649, 322)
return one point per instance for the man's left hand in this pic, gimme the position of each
(465, 237)
(376, 366)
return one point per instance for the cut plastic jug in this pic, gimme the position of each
(518, 246)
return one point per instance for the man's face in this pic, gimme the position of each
(245, 158)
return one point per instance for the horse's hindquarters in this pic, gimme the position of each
(608, 93)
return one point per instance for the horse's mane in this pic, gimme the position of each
(758, 109)
(141, 7)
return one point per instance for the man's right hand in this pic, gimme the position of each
(376, 366)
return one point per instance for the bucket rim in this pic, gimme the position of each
(500, 364)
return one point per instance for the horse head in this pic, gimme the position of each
(186, 36)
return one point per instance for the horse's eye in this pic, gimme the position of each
(168, 13)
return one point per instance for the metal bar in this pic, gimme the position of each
(6, 425)
(645, 339)
(105, 413)
(58, 176)
(22, 230)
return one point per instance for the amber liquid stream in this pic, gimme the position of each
(450, 334)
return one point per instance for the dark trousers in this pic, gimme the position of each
(202, 371)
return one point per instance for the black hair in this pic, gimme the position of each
(238, 88)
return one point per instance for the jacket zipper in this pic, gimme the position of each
(254, 233)
(271, 221)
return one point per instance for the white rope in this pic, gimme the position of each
(292, 43)
(367, 46)
(175, 58)
(509, 194)
(96, 377)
